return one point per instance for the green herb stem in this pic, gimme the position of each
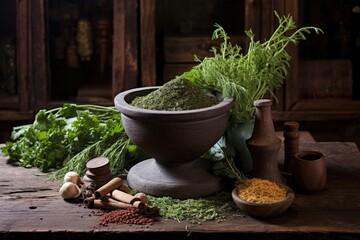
(248, 77)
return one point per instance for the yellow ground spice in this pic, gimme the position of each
(258, 190)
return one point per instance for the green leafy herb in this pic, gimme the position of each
(222, 156)
(248, 77)
(65, 138)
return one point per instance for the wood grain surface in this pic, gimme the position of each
(31, 208)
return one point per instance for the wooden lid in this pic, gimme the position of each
(96, 163)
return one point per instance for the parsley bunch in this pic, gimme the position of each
(65, 138)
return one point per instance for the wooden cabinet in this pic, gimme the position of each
(15, 85)
(135, 43)
(179, 52)
(185, 29)
(323, 82)
(50, 70)
(104, 60)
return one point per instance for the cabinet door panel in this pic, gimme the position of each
(83, 51)
(312, 90)
(14, 55)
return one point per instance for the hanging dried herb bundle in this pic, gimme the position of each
(176, 95)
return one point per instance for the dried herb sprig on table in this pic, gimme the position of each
(194, 210)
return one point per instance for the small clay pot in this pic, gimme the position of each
(309, 171)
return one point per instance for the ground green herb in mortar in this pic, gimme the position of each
(176, 95)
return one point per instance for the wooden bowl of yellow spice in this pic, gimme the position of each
(261, 198)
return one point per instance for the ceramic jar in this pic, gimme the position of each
(264, 145)
(309, 171)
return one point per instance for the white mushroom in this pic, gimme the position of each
(73, 177)
(69, 190)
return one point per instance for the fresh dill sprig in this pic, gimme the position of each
(248, 77)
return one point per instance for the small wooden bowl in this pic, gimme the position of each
(264, 210)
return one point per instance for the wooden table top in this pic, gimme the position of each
(31, 208)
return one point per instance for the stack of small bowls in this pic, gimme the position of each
(98, 171)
